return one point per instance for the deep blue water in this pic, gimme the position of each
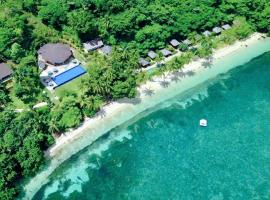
(165, 154)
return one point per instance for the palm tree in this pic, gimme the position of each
(53, 129)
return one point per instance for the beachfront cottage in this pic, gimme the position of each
(5, 72)
(174, 43)
(226, 26)
(207, 33)
(187, 42)
(217, 30)
(92, 45)
(152, 54)
(54, 54)
(143, 62)
(106, 50)
(166, 52)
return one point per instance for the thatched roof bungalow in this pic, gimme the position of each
(55, 53)
(217, 30)
(92, 45)
(5, 72)
(166, 52)
(152, 54)
(106, 50)
(226, 26)
(174, 43)
(143, 62)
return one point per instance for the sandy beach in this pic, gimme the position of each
(150, 94)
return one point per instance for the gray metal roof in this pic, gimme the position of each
(93, 45)
(165, 52)
(5, 71)
(143, 62)
(207, 33)
(56, 53)
(152, 54)
(226, 26)
(187, 42)
(174, 43)
(217, 30)
(106, 50)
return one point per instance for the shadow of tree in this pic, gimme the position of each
(148, 92)
(208, 63)
(190, 73)
(175, 78)
(180, 74)
(164, 83)
(101, 113)
(133, 101)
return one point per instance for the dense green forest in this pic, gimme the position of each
(132, 27)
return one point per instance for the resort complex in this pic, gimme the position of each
(58, 65)
(126, 73)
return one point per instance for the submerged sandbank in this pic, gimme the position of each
(150, 94)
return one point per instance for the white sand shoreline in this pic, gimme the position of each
(123, 110)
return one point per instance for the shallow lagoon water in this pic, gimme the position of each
(164, 154)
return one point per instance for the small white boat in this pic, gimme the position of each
(203, 122)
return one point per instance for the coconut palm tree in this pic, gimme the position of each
(53, 128)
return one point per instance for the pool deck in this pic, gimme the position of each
(69, 75)
(47, 75)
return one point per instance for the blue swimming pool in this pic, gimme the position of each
(69, 75)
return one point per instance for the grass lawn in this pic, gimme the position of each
(72, 87)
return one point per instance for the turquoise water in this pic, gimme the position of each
(165, 154)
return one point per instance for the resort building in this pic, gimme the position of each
(217, 30)
(58, 65)
(106, 50)
(152, 54)
(174, 43)
(143, 62)
(226, 26)
(92, 45)
(207, 33)
(187, 42)
(54, 54)
(5, 73)
(166, 52)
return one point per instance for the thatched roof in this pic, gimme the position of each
(92, 45)
(143, 62)
(106, 50)
(226, 26)
(55, 53)
(207, 33)
(174, 43)
(187, 42)
(165, 52)
(152, 54)
(5, 71)
(217, 30)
